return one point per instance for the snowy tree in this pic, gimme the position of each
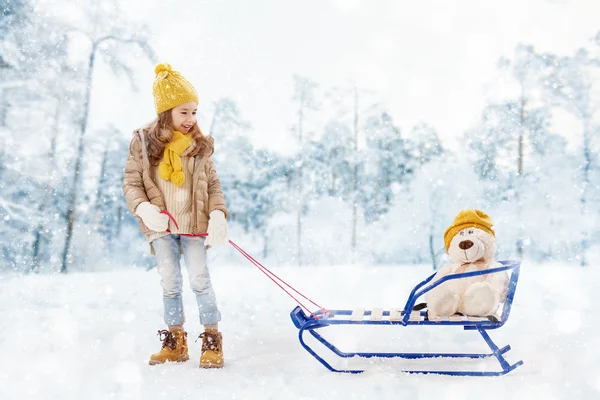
(17, 194)
(227, 123)
(305, 100)
(110, 208)
(111, 37)
(37, 50)
(253, 180)
(410, 174)
(265, 192)
(529, 71)
(235, 166)
(551, 203)
(424, 143)
(330, 159)
(496, 144)
(352, 105)
(28, 81)
(425, 147)
(439, 189)
(389, 164)
(13, 16)
(572, 85)
(41, 231)
(233, 157)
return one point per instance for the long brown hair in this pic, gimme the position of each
(160, 132)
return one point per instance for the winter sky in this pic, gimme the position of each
(429, 60)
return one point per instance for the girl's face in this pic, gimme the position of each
(184, 116)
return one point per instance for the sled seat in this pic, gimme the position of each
(398, 316)
(415, 317)
(395, 316)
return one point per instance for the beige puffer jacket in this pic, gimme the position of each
(138, 186)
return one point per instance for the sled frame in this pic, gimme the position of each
(320, 320)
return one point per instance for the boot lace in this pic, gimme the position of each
(210, 341)
(168, 339)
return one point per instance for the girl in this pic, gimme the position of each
(170, 173)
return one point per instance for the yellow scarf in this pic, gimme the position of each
(170, 167)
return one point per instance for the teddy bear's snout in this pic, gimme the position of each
(465, 244)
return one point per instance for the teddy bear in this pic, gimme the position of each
(470, 243)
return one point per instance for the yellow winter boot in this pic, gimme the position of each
(174, 347)
(212, 349)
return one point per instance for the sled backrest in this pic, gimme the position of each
(512, 288)
(427, 285)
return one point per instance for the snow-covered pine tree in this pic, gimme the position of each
(305, 99)
(389, 164)
(114, 40)
(573, 87)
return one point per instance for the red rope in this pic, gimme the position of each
(255, 262)
(262, 269)
(270, 274)
(168, 214)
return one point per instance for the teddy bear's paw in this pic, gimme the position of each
(443, 304)
(480, 299)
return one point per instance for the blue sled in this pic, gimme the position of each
(310, 324)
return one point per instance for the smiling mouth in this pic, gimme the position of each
(186, 127)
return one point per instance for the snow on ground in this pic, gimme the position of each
(89, 335)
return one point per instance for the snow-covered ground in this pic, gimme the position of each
(89, 335)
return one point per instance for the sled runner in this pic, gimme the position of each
(395, 316)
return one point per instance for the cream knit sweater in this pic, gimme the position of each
(178, 199)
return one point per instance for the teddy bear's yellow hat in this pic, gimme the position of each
(468, 218)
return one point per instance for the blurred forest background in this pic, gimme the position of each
(354, 187)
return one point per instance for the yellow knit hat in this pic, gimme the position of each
(171, 89)
(469, 218)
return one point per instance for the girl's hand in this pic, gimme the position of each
(151, 217)
(217, 229)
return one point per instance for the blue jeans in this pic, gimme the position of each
(169, 269)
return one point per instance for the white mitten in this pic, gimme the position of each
(152, 218)
(217, 229)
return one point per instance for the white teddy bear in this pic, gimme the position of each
(471, 243)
